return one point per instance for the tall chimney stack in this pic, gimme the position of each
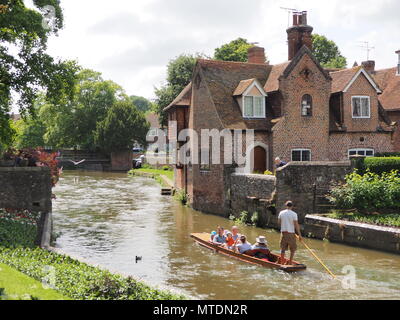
(398, 63)
(256, 55)
(299, 34)
(369, 66)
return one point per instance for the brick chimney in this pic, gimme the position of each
(369, 66)
(398, 63)
(299, 34)
(256, 55)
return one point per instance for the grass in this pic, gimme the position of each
(157, 173)
(18, 286)
(387, 220)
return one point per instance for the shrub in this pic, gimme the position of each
(381, 165)
(368, 192)
(268, 173)
(166, 168)
(387, 154)
(182, 197)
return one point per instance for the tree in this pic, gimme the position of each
(179, 74)
(235, 50)
(142, 104)
(30, 133)
(123, 126)
(25, 68)
(327, 52)
(73, 122)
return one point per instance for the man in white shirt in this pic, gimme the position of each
(289, 226)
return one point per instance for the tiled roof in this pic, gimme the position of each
(340, 79)
(242, 87)
(390, 83)
(183, 99)
(222, 79)
(273, 79)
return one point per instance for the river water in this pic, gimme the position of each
(110, 218)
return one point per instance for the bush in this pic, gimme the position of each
(387, 154)
(381, 165)
(182, 197)
(269, 173)
(368, 192)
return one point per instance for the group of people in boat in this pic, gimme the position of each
(290, 230)
(237, 242)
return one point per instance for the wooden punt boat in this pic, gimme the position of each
(203, 239)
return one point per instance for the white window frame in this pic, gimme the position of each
(263, 96)
(301, 155)
(369, 107)
(361, 149)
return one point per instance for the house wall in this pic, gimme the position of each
(340, 143)
(360, 87)
(294, 131)
(395, 117)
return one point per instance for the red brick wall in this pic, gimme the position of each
(360, 87)
(395, 117)
(340, 143)
(295, 131)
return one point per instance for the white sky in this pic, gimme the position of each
(131, 41)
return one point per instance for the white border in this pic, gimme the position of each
(361, 149)
(291, 154)
(366, 74)
(352, 107)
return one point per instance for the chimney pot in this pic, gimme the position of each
(300, 34)
(256, 55)
(304, 18)
(369, 65)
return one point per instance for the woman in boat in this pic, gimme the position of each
(243, 246)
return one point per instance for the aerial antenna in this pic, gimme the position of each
(289, 11)
(366, 47)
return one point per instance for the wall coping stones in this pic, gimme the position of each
(23, 169)
(317, 164)
(354, 224)
(255, 176)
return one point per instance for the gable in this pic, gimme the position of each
(364, 73)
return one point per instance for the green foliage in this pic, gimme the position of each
(182, 197)
(243, 219)
(179, 74)
(79, 280)
(387, 154)
(25, 67)
(388, 220)
(166, 168)
(18, 228)
(142, 104)
(235, 50)
(123, 126)
(327, 52)
(255, 219)
(269, 173)
(74, 122)
(368, 192)
(381, 165)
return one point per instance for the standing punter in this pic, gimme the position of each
(289, 226)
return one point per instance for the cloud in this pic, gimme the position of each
(131, 41)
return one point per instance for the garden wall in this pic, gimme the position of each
(28, 188)
(353, 233)
(303, 182)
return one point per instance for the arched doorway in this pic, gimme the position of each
(259, 160)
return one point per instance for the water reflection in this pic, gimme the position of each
(110, 218)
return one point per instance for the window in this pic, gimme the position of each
(361, 107)
(301, 155)
(254, 107)
(205, 159)
(306, 106)
(362, 152)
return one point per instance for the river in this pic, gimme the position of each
(110, 218)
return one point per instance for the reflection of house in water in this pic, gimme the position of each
(298, 110)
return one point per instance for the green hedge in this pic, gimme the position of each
(79, 280)
(381, 165)
(387, 154)
(368, 192)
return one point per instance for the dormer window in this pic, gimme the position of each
(250, 96)
(306, 106)
(254, 107)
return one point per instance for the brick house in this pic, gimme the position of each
(298, 110)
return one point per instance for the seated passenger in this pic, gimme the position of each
(229, 241)
(243, 246)
(235, 234)
(260, 249)
(213, 234)
(220, 238)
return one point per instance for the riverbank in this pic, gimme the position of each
(25, 266)
(164, 177)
